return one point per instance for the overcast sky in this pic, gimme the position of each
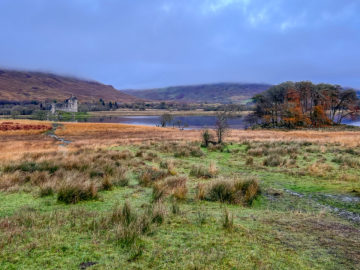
(153, 43)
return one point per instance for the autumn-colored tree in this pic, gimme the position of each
(305, 104)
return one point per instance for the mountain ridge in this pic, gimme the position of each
(203, 93)
(16, 85)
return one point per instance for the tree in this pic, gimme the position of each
(348, 105)
(221, 124)
(165, 119)
(206, 137)
(304, 104)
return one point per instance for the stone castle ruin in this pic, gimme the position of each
(69, 105)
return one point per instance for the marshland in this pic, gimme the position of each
(190, 135)
(121, 196)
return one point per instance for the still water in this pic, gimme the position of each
(187, 122)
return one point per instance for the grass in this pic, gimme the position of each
(138, 206)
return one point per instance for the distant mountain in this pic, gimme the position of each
(210, 93)
(27, 86)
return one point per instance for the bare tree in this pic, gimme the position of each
(165, 119)
(222, 125)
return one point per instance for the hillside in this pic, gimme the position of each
(26, 86)
(211, 93)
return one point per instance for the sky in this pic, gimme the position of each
(135, 44)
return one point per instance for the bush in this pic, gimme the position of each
(206, 137)
(235, 191)
(71, 193)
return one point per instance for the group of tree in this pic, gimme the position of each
(304, 104)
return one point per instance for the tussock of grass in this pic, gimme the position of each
(174, 186)
(233, 191)
(202, 171)
(150, 175)
(352, 162)
(272, 161)
(319, 169)
(71, 193)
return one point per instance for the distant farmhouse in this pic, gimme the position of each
(69, 105)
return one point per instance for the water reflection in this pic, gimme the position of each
(186, 121)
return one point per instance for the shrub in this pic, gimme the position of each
(71, 193)
(234, 191)
(206, 137)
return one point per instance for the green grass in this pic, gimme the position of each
(278, 231)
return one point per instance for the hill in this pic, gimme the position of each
(211, 93)
(27, 86)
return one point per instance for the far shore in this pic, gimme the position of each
(157, 112)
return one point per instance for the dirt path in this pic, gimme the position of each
(52, 134)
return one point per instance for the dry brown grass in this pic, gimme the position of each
(13, 144)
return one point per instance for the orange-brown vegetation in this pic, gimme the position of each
(10, 126)
(16, 142)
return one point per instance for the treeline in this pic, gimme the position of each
(304, 104)
(173, 106)
(22, 108)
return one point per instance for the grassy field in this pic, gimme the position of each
(128, 197)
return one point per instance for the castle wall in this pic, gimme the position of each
(70, 105)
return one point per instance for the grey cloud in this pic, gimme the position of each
(139, 44)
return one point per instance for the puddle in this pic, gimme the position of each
(351, 216)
